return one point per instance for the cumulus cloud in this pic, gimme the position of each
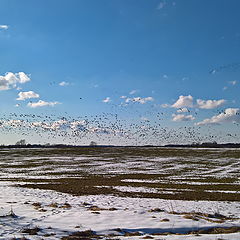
(41, 103)
(133, 92)
(182, 117)
(165, 105)
(106, 100)
(183, 101)
(13, 123)
(139, 100)
(4, 27)
(181, 110)
(63, 84)
(27, 95)
(143, 100)
(76, 126)
(210, 104)
(79, 125)
(230, 115)
(73, 128)
(10, 80)
(56, 125)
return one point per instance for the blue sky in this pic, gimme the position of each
(132, 58)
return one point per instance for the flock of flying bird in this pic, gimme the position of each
(108, 129)
(139, 128)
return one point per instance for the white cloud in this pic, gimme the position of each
(210, 104)
(21, 77)
(10, 80)
(183, 101)
(161, 5)
(78, 125)
(128, 100)
(143, 100)
(123, 97)
(133, 92)
(5, 27)
(144, 119)
(225, 88)
(139, 100)
(55, 125)
(41, 103)
(62, 84)
(63, 125)
(165, 76)
(181, 110)
(165, 105)
(233, 82)
(229, 115)
(106, 100)
(27, 95)
(13, 123)
(182, 117)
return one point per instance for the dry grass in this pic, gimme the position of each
(85, 171)
(83, 235)
(31, 231)
(213, 218)
(217, 230)
(91, 185)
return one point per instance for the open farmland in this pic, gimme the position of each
(120, 193)
(168, 173)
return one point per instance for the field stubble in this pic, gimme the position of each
(166, 173)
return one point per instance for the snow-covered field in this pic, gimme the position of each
(37, 208)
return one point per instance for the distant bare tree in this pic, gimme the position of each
(92, 143)
(21, 142)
